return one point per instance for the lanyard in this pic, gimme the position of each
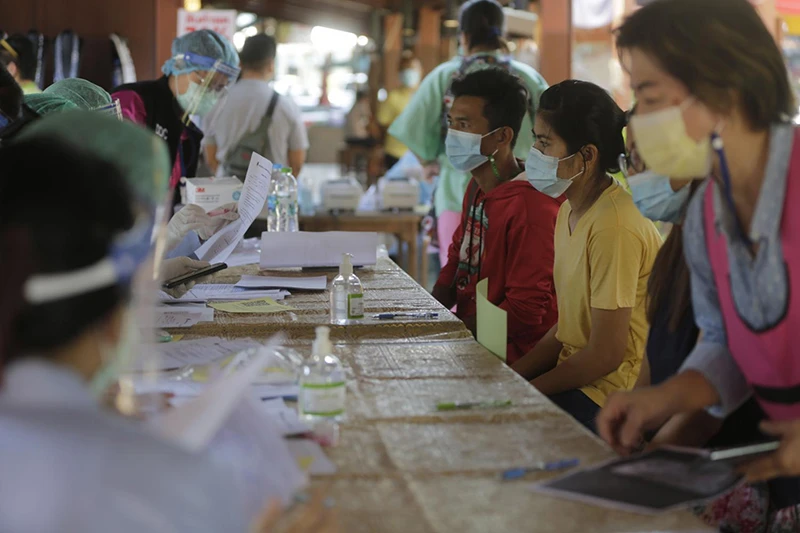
(719, 148)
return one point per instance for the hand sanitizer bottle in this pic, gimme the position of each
(347, 296)
(323, 386)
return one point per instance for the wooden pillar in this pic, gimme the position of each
(429, 38)
(165, 31)
(555, 43)
(392, 50)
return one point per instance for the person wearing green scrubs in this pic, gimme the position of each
(421, 126)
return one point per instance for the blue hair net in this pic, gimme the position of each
(206, 43)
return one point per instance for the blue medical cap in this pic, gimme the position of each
(205, 43)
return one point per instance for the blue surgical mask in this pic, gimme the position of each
(463, 149)
(653, 195)
(410, 77)
(542, 172)
(197, 100)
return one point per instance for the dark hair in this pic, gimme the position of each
(482, 23)
(582, 113)
(505, 98)
(11, 97)
(668, 285)
(86, 204)
(25, 59)
(258, 52)
(715, 48)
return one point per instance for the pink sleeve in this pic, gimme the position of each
(132, 106)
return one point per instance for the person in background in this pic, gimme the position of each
(10, 98)
(253, 107)
(506, 232)
(202, 65)
(604, 253)
(719, 105)
(83, 93)
(359, 127)
(18, 55)
(396, 102)
(423, 124)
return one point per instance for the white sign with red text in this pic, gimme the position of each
(222, 21)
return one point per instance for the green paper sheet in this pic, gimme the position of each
(492, 323)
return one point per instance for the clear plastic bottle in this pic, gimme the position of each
(272, 199)
(284, 185)
(347, 295)
(323, 387)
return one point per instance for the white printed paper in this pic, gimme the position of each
(182, 316)
(309, 453)
(317, 249)
(316, 283)
(221, 292)
(254, 194)
(196, 352)
(194, 424)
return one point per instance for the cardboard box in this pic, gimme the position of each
(210, 193)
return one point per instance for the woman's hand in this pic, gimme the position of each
(316, 516)
(785, 461)
(626, 417)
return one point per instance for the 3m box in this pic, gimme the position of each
(210, 193)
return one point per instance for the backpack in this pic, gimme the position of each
(237, 159)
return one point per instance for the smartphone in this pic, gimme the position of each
(183, 278)
(743, 453)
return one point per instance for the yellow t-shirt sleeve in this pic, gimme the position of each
(387, 111)
(615, 258)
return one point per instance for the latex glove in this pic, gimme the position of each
(785, 462)
(189, 218)
(218, 219)
(194, 218)
(178, 266)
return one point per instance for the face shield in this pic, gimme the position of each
(113, 109)
(209, 78)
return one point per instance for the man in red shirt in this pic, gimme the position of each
(507, 226)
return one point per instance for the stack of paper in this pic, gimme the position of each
(312, 249)
(316, 283)
(254, 194)
(196, 352)
(222, 292)
(182, 316)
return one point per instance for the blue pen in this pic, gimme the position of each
(563, 464)
(392, 316)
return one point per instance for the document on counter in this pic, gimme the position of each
(652, 482)
(317, 249)
(221, 292)
(311, 458)
(315, 283)
(259, 305)
(182, 316)
(195, 423)
(195, 352)
(492, 322)
(254, 195)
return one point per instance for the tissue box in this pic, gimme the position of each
(210, 193)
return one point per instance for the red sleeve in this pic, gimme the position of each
(132, 106)
(447, 274)
(529, 290)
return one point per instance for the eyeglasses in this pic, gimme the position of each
(631, 163)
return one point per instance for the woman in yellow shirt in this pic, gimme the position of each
(396, 102)
(604, 252)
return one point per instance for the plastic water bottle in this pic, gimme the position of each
(347, 295)
(272, 199)
(323, 388)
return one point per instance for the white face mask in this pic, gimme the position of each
(542, 171)
(463, 149)
(653, 195)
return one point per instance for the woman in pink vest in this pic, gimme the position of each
(714, 100)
